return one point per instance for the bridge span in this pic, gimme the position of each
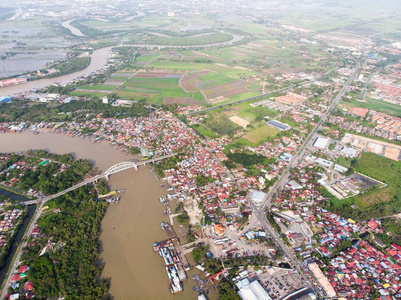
(122, 166)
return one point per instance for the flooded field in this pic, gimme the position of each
(33, 46)
(98, 60)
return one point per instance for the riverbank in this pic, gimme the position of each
(98, 60)
(74, 30)
(14, 247)
(128, 228)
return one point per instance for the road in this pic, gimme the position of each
(259, 96)
(39, 210)
(260, 212)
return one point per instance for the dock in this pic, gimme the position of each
(170, 231)
(174, 267)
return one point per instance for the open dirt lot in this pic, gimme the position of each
(226, 90)
(190, 81)
(239, 121)
(180, 100)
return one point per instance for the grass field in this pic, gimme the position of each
(88, 94)
(190, 40)
(249, 113)
(376, 202)
(204, 131)
(378, 105)
(154, 89)
(97, 87)
(260, 134)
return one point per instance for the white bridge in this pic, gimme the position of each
(125, 165)
(122, 166)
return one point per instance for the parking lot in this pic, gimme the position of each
(280, 283)
(273, 105)
(234, 245)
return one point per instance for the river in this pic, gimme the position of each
(129, 228)
(20, 234)
(74, 30)
(98, 60)
(236, 38)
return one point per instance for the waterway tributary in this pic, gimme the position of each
(20, 234)
(128, 228)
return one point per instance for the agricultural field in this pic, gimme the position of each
(204, 39)
(88, 93)
(155, 89)
(97, 87)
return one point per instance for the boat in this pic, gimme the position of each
(113, 200)
(163, 225)
(175, 283)
(158, 245)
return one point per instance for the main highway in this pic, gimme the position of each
(260, 212)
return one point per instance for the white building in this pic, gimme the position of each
(321, 143)
(258, 197)
(251, 290)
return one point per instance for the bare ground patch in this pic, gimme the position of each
(180, 100)
(191, 81)
(226, 90)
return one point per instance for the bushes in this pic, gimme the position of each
(71, 272)
(199, 253)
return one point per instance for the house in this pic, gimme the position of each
(219, 229)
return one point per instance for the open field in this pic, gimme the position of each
(239, 121)
(260, 134)
(99, 87)
(222, 125)
(249, 113)
(190, 81)
(158, 74)
(204, 131)
(377, 202)
(181, 101)
(378, 105)
(88, 93)
(155, 89)
(206, 39)
(226, 90)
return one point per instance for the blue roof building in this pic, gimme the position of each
(5, 99)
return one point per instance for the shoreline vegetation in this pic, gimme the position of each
(70, 223)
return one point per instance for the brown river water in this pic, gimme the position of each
(129, 228)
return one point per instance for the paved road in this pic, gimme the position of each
(260, 96)
(307, 143)
(261, 212)
(39, 210)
